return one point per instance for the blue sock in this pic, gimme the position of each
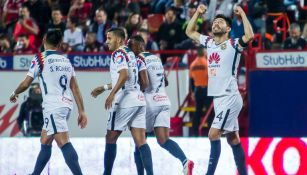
(71, 158)
(109, 157)
(138, 162)
(173, 148)
(215, 152)
(239, 156)
(42, 159)
(146, 158)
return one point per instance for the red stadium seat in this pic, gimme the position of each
(154, 22)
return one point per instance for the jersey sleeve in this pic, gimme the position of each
(120, 60)
(34, 68)
(236, 45)
(141, 64)
(204, 39)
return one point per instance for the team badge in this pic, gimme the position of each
(223, 46)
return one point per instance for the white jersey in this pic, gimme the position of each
(129, 95)
(155, 93)
(54, 72)
(223, 61)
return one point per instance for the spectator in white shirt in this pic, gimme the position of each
(73, 36)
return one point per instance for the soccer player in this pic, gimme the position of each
(223, 60)
(57, 79)
(125, 102)
(157, 104)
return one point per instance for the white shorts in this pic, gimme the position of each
(227, 109)
(157, 116)
(121, 118)
(55, 121)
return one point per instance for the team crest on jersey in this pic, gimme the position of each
(214, 57)
(223, 46)
(119, 57)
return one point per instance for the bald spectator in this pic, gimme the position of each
(294, 41)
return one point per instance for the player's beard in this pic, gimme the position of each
(219, 33)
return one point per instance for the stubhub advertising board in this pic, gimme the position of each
(6, 62)
(281, 59)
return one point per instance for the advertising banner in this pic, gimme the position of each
(22, 62)
(281, 59)
(90, 61)
(6, 62)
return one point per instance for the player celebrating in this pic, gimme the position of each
(158, 104)
(57, 79)
(224, 55)
(125, 101)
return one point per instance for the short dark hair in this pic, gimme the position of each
(137, 38)
(118, 32)
(56, 8)
(23, 36)
(54, 37)
(227, 19)
(143, 30)
(74, 20)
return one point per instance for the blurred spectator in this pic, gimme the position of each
(30, 119)
(81, 10)
(73, 37)
(159, 6)
(258, 14)
(101, 25)
(64, 5)
(199, 84)
(149, 43)
(224, 7)
(40, 12)
(145, 8)
(237, 29)
(304, 35)
(56, 22)
(133, 24)
(5, 44)
(90, 43)
(170, 31)
(294, 41)
(10, 13)
(26, 26)
(23, 45)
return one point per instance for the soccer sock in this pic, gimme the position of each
(42, 159)
(174, 149)
(146, 158)
(215, 152)
(71, 158)
(109, 157)
(239, 156)
(138, 162)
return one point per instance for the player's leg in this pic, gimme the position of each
(44, 154)
(233, 140)
(138, 160)
(110, 150)
(59, 119)
(162, 134)
(215, 150)
(137, 126)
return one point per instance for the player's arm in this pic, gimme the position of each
(123, 76)
(82, 119)
(191, 31)
(248, 30)
(143, 78)
(24, 85)
(100, 89)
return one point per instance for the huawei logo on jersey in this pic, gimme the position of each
(214, 57)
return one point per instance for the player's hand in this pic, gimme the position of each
(109, 101)
(82, 120)
(97, 91)
(238, 10)
(13, 98)
(201, 9)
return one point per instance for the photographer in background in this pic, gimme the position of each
(30, 119)
(26, 26)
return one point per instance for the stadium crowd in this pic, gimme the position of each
(161, 23)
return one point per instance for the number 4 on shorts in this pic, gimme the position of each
(220, 116)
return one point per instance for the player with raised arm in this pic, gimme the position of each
(223, 60)
(157, 104)
(57, 79)
(125, 102)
